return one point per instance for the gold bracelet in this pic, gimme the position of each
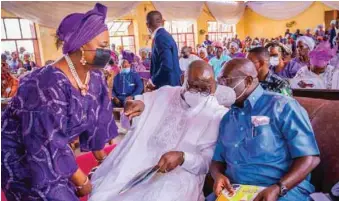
(81, 186)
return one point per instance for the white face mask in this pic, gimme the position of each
(194, 99)
(226, 96)
(274, 61)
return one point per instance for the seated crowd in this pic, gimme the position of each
(234, 116)
(303, 60)
(13, 67)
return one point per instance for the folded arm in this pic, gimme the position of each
(299, 170)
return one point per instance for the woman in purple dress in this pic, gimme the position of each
(146, 60)
(54, 105)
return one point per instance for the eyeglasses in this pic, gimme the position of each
(226, 81)
(204, 91)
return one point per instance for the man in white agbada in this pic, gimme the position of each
(187, 58)
(177, 131)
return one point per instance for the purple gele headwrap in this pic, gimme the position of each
(77, 29)
(129, 56)
(322, 54)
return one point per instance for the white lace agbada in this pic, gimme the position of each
(166, 124)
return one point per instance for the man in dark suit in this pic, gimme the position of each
(165, 68)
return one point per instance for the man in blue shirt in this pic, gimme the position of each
(265, 139)
(127, 84)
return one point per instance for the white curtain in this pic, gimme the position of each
(228, 12)
(332, 4)
(179, 11)
(279, 10)
(50, 13)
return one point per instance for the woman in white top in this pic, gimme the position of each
(321, 75)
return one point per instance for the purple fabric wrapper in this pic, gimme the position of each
(46, 114)
(322, 54)
(77, 29)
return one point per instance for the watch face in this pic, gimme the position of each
(283, 190)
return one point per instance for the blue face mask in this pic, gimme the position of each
(125, 70)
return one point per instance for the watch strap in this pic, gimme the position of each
(283, 189)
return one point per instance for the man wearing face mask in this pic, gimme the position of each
(186, 59)
(266, 139)
(280, 62)
(268, 80)
(176, 132)
(127, 84)
(165, 69)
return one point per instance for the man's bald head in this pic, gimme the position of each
(154, 20)
(239, 67)
(241, 75)
(200, 75)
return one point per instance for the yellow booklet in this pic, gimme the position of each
(242, 193)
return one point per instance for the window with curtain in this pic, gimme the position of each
(19, 35)
(121, 33)
(218, 31)
(182, 32)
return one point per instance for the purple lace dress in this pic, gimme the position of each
(46, 114)
(147, 63)
(289, 71)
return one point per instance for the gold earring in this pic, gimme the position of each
(83, 60)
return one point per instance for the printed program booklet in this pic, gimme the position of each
(242, 193)
(140, 178)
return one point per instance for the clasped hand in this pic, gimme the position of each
(133, 108)
(270, 193)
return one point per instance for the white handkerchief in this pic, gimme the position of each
(260, 120)
(319, 197)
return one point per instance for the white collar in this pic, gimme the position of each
(155, 32)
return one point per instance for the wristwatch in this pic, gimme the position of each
(283, 189)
